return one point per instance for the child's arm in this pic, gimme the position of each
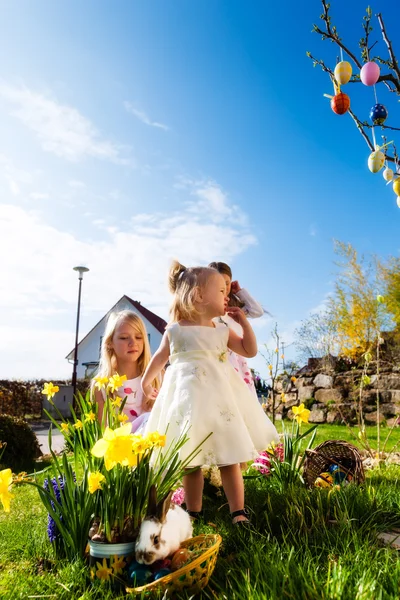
(99, 399)
(155, 366)
(251, 307)
(247, 344)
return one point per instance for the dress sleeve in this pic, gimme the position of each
(251, 307)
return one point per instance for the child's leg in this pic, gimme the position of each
(193, 484)
(233, 485)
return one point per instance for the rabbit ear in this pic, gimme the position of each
(163, 507)
(152, 502)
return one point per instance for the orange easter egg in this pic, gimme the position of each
(180, 558)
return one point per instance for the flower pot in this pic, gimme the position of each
(110, 561)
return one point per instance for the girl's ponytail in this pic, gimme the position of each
(175, 272)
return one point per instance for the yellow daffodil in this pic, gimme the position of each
(276, 350)
(293, 379)
(271, 448)
(100, 382)
(64, 427)
(49, 390)
(78, 424)
(5, 483)
(115, 382)
(20, 478)
(140, 445)
(103, 571)
(122, 418)
(90, 417)
(156, 439)
(116, 403)
(301, 413)
(118, 564)
(283, 397)
(95, 480)
(116, 447)
(282, 356)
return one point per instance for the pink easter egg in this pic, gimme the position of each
(369, 73)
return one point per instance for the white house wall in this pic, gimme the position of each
(89, 348)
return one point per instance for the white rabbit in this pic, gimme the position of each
(163, 529)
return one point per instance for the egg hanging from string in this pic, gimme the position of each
(376, 160)
(388, 174)
(378, 114)
(396, 186)
(343, 72)
(398, 201)
(340, 103)
(370, 73)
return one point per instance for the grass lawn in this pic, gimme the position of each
(318, 544)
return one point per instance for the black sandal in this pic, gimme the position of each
(195, 514)
(241, 513)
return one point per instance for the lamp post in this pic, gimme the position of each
(81, 271)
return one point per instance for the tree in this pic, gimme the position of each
(390, 70)
(316, 337)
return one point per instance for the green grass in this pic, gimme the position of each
(306, 544)
(350, 434)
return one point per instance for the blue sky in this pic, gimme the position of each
(135, 132)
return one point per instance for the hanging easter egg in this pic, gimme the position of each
(376, 160)
(343, 72)
(387, 174)
(396, 186)
(340, 103)
(378, 114)
(369, 73)
(398, 201)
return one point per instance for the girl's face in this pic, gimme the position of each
(228, 282)
(127, 342)
(214, 296)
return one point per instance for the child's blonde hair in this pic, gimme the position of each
(184, 284)
(108, 360)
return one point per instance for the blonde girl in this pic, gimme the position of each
(125, 350)
(201, 391)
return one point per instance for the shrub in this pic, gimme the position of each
(22, 445)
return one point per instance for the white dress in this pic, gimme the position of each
(202, 390)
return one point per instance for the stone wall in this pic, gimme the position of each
(333, 397)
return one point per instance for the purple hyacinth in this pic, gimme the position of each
(57, 485)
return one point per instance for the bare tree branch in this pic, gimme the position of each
(388, 43)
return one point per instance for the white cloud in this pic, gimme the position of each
(142, 116)
(60, 129)
(15, 178)
(74, 183)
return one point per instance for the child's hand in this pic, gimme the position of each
(150, 392)
(235, 287)
(237, 314)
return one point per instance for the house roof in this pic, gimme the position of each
(154, 319)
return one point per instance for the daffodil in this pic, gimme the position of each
(122, 418)
(116, 403)
(103, 570)
(118, 564)
(140, 445)
(270, 367)
(5, 483)
(293, 379)
(78, 424)
(49, 390)
(301, 413)
(100, 382)
(64, 427)
(116, 447)
(95, 480)
(115, 382)
(156, 439)
(90, 417)
(283, 397)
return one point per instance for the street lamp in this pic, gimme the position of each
(81, 271)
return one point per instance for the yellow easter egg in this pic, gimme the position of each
(343, 72)
(324, 480)
(387, 174)
(396, 186)
(376, 160)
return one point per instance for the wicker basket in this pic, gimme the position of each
(192, 577)
(333, 452)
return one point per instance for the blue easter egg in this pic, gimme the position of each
(161, 573)
(140, 576)
(133, 566)
(332, 468)
(378, 114)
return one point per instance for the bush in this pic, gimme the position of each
(22, 445)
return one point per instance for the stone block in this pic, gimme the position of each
(387, 381)
(328, 395)
(333, 416)
(389, 410)
(373, 417)
(303, 381)
(323, 381)
(305, 392)
(317, 415)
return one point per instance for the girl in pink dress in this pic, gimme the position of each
(125, 350)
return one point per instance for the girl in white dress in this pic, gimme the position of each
(202, 390)
(125, 350)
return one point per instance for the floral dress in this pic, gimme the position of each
(202, 391)
(131, 389)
